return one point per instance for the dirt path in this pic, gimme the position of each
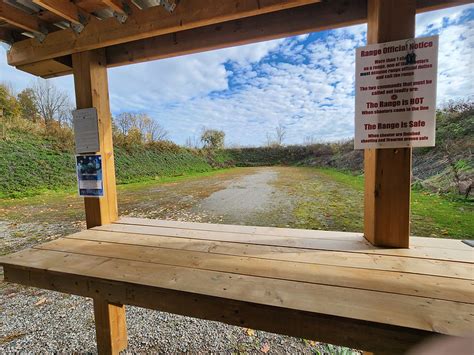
(35, 320)
(237, 196)
(246, 200)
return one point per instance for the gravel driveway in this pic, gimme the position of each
(34, 320)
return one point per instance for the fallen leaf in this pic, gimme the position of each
(41, 301)
(250, 332)
(265, 348)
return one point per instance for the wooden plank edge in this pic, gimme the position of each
(298, 244)
(448, 317)
(343, 279)
(370, 336)
(455, 244)
(223, 249)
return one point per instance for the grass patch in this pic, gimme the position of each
(32, 165)
(432, 215)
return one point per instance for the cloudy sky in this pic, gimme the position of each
(304, 83)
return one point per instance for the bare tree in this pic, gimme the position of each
(154, 131)
(140, 124)
(269, 140)
(124, 122)
(193, 142)
(309, 140)
(50, 102)
(280, 133)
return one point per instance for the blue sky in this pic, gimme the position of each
(305, 83)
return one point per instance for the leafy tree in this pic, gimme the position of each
(26, 100)
(8, 103)
(212, 138)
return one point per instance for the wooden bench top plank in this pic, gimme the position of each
(375, 337)
(320, 257)
(386, 281)
(288, 232)
(355, 246)
(447, 317)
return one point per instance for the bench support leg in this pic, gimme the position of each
(111, 327)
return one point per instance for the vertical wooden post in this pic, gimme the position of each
(388, 171)
(90, 80)
(110, 326)
(91, 85)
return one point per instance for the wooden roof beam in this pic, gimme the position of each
(115, 5)
(310, 18)
(63, 8)
(147, 23)
(21, 19)
(291, 22)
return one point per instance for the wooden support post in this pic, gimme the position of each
(110, 326)
(388, 171)
(90, 80)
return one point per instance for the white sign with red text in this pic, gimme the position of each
(396, 94)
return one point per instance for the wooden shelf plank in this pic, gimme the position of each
(305, 243)
(318, 257)
(375, 280)
(63, 8)
(115, 5)
(288, 232)
(357, 334)
(451, 318)
(19, 18)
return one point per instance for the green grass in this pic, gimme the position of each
(48, 196)
(32, 164)
(170, 179)
(432, 214)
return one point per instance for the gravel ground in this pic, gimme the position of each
(39, 321)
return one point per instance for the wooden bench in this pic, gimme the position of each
(333, 287)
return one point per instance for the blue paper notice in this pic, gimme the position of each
(89, 175)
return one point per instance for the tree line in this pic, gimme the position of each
(45, 108)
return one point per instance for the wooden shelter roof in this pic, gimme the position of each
(44, 33)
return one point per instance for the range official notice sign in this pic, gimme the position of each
(396, 94)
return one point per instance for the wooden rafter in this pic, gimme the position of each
(115, 5)
(304, 19)
(309, 18)
(19, 19)
(63, 8)
(144, 24)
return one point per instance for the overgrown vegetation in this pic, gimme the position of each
(37, 153)
(41, 163)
